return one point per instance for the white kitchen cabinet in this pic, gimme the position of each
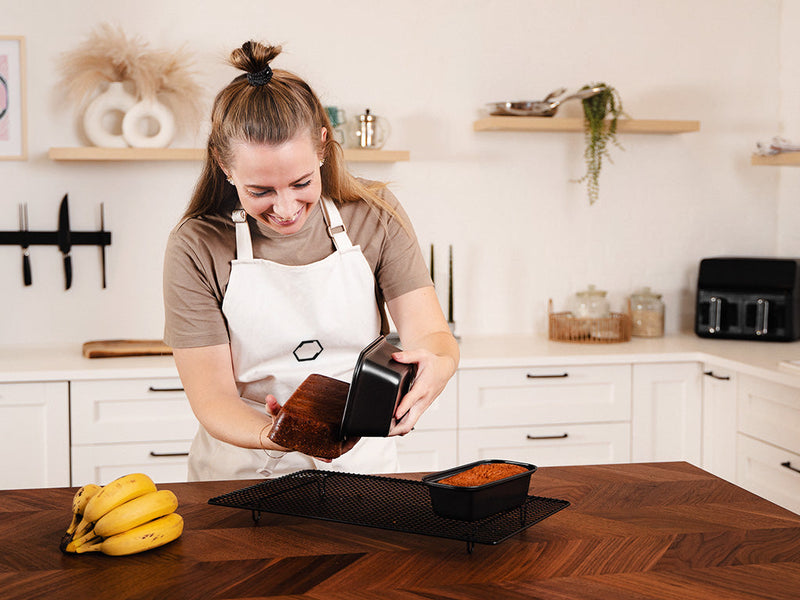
(568, 414)
(770, 412)
(433, 444)
(127, 425)
(719, 422)
(547, 446)
(769, 471)
(768, 444)
(425, 451)
(667, 412)
(34, 434)
(500, 397)
(164, 462)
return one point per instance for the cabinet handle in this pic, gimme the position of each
(548, 437)
(789, 466)
(161, 454)
(554, 375)
(175, 389)
(715, 376)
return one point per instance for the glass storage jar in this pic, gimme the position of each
(647, 313)
(590, 303)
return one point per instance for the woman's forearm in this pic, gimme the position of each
(207, 378)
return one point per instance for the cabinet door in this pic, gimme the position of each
(425, 451)
(667, 412)
(443, 413)
(542, 395)
(164, 462)
(769, 472)
(553, 445)
(34, 435)
(719, 422)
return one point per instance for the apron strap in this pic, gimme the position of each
(244, 246)
(336, 229)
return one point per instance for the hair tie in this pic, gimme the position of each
(261, 77)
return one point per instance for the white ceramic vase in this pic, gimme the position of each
(136, 125)
(98, 121)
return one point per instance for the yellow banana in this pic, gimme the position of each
(129, 515)
(136, 512)
(79, 502)
(112, 495)
(144, 537)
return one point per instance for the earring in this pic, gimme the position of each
(230, 180)
(322, 162)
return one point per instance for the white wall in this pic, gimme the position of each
(521, 231)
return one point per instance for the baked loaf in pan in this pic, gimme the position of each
(310, 421)
(483, 474)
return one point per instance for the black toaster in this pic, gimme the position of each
(748, 298)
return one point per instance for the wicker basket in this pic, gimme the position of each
(565, 327)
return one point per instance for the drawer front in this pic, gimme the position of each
(135, 410)
(549, 446)
(770, 412)
(443, 413)
(164, 462)
(768, 471)
(544, 395)
(425, 451)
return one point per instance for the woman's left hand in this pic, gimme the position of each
(433, 373)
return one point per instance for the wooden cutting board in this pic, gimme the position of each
(112, 348)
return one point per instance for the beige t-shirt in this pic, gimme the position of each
(197, 263)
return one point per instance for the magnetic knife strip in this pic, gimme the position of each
(50, 238)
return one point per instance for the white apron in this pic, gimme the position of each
(285, 323)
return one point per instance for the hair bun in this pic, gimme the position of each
(254, 57)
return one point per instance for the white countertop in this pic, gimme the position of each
(760, 359)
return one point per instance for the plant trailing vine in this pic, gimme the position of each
(598, 133)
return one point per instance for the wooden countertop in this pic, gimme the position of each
(636, 531)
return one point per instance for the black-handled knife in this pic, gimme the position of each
(26, 255)
(102, 246)
(64, 239)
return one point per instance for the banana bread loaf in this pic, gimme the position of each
(310, 420)
(482, 474)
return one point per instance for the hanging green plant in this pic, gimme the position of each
(599, 131)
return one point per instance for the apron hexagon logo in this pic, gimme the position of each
(307, 350)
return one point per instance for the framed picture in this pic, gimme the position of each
(13, 144)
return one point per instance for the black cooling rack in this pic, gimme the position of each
(382, 502)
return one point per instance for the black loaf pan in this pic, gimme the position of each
(470, 503)
(377, 386)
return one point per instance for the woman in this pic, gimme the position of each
(280, 268)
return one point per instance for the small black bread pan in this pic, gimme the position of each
(378, 385)
(470, 503)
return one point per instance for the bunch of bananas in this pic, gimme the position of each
(126, 516)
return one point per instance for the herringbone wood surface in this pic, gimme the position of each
(644, 531)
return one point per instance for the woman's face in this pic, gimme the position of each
(278, 185)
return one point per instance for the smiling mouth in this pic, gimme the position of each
(284, 222)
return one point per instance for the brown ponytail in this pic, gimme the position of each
(266, 106)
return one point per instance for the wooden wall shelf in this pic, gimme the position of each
(575, 124)
(784, 159)
(91, 153)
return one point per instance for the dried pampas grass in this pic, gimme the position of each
(108, 55)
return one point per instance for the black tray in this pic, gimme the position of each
(382, 502)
